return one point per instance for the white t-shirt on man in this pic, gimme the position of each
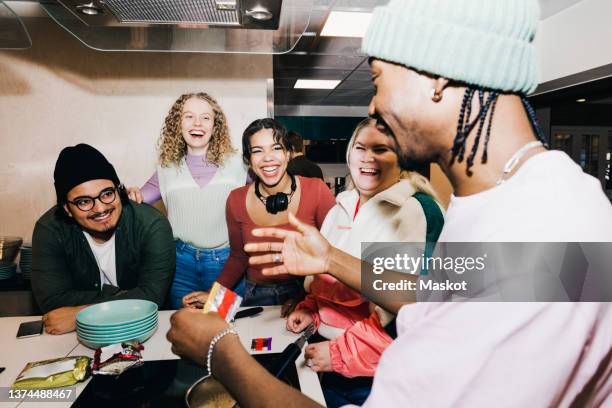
(508, 354)
(105, 258)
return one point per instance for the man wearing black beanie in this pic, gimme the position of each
(95, 245)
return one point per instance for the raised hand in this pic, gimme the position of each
(61, 320)
(195, 300)
(302, 252)
(299, 320)
(318, 357)
(191, 332)
(134, 194)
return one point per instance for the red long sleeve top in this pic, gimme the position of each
(316, 200)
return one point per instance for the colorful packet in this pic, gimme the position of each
(116, 358)
(223, 301)
(260, 343)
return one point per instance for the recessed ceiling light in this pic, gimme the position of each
(346, 24)
(581, 100)
(316, 83)
(259, 13)
(90, 9)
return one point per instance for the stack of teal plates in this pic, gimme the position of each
(7, 270)
(25, 261)
(116, 321)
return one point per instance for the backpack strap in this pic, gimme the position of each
(435, 222)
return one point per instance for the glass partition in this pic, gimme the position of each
(13, 33)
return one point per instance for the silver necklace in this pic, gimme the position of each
(516, 157)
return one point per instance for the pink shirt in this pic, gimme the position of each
(495, 354)
(509, 354)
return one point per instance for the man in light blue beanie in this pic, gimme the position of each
(456, 59)
(451, 78)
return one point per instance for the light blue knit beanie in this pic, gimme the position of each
(487, 43)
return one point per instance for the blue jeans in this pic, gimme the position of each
(256, 294)
(338, 395)
(197, 269)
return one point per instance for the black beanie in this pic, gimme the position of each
(79, 164)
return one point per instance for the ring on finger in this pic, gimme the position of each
(278, 258)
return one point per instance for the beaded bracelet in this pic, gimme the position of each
(213, 343)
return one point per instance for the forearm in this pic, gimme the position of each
(238, 260)
(347, 269)
(250, 383)
(150, 191)
(232, 272)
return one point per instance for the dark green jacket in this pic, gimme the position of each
(65, 272)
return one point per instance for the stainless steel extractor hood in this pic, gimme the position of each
(216, 26)
(250, 14)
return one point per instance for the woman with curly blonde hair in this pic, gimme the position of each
(198, 167)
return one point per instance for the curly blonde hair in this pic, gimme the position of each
(171, 145)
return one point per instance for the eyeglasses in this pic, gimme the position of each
(106, 196)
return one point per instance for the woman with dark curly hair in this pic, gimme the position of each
(198, 167)
(267, 202)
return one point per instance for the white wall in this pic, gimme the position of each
(576, 39)
(61, 93)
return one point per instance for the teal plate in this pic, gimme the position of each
(128, 326)
(118, 337)
(115, 333)
(116, 312)
(96, 344)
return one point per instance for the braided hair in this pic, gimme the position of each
(488, 101)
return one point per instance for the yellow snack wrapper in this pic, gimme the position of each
(55, 373)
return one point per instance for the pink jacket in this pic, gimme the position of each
(392, 215)
(356, 352)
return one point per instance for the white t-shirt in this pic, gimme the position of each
(507, 354)
(105, 258)
(549, 199)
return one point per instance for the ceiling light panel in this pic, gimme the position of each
(346, 24)
(316, 84)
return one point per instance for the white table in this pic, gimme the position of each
(17, 352)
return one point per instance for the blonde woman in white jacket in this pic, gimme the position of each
(382, 204)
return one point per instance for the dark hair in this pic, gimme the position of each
(296, 142)
(488, 101)
(279, 134)
(60, 213)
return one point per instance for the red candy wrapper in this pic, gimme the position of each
(116, 358)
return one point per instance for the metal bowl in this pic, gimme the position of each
(208, 392)
(9, 248)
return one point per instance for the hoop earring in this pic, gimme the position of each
(435, 95)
